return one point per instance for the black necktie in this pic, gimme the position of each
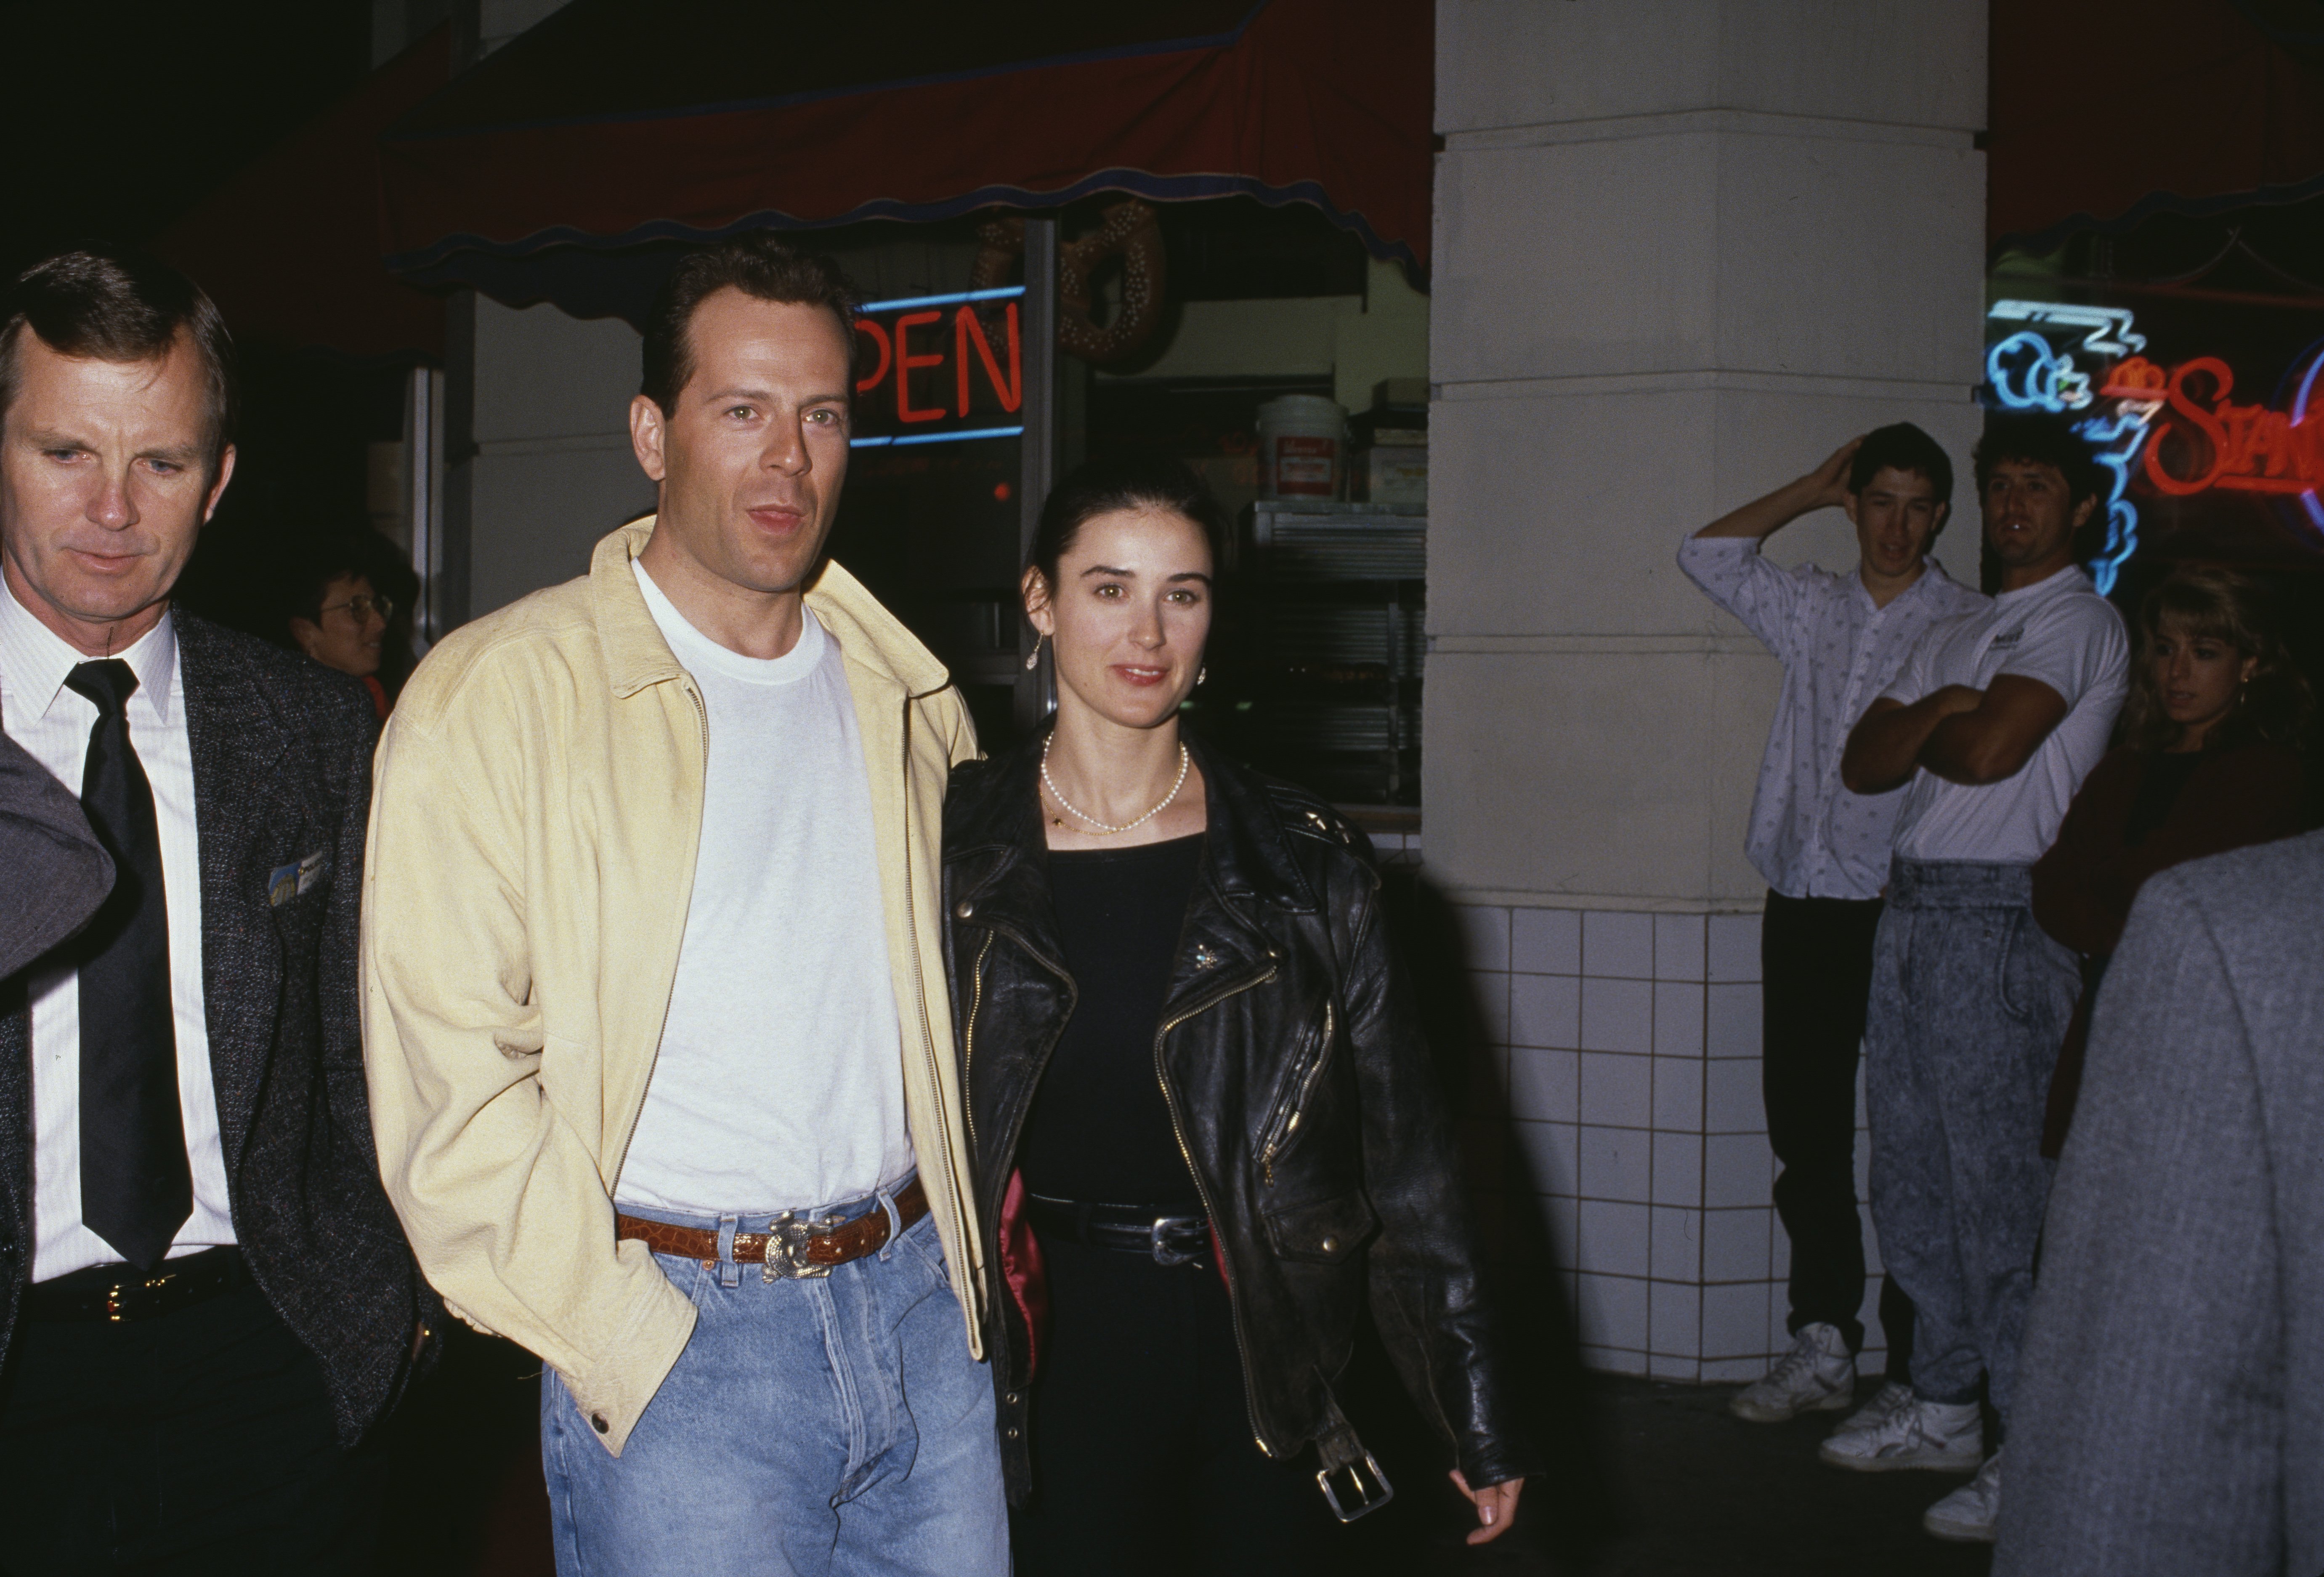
(136, 1186)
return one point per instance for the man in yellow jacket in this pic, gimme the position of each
(654, 1008)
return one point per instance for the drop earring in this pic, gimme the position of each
(1033, 658)
(1200, 674)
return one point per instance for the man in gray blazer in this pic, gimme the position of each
(2171, 1409)
(58, 872)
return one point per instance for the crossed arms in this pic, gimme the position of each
(1963, 735)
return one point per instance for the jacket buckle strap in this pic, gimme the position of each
(788, 1241)
(1351, 1478)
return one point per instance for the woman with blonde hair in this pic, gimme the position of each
(2209, 760)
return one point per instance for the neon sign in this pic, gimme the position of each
(2213, 442)
(2026, 374)
(908, 347)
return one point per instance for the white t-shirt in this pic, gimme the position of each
(2057, 631)
(779, 1081)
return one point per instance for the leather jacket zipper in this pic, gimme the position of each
(1179, 1128)
(1286, 1121)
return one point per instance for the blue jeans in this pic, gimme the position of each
(1970, 1004)
(831, 1426)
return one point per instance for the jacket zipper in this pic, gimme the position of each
(702, 719)
(1287, 1120)
(968, 1039)
(1178, 1129)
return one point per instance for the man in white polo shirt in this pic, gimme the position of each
(1994, 723)
(1841, 638)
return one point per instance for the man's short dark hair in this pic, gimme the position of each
(2040, 438)
(1902, 447)
(112, 304)
(760, 267)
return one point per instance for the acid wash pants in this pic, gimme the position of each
(1970, 1002)
(826, 1428)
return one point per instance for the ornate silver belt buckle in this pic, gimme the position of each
(787, 1242)
(1168, 1231)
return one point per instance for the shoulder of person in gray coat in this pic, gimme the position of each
(2171, 1404)
(57, 873)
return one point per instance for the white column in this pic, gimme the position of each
(1684, 249)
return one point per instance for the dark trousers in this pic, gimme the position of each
(197, 1441)
(1815, 971)
(1143, 1458)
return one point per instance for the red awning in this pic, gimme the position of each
(289, 248)
(2106, 111)
(612, 124)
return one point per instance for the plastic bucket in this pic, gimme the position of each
(1303, 444)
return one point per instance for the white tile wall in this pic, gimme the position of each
(1544, 1010)
(1625, 1077)
(1617, 1015)
(1544, 1086)
(1617, 945)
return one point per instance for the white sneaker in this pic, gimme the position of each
(1970, 1513)
(1818, 1375)
(1945, 1435)
(1893, 1399)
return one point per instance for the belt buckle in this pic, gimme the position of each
(1369, 1501)
(787, 1243)
(1165, 1252)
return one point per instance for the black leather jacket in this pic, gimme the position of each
(1303, 1092)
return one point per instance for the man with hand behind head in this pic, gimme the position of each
(1825, 851)
(205, 1302)
(660, 1049)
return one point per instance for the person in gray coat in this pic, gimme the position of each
(58, 872)
(2170, 1404)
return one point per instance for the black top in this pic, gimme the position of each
(1099, 1130)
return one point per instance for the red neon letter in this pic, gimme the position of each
(906, 361)
(2196, 417)
(878, 337)
(1010, 389)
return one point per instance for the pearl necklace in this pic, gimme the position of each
(1085, 816)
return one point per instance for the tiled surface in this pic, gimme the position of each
(1625, 1077)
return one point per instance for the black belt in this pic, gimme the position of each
(1171, 1234)
(118, 1293)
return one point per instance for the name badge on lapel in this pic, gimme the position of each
(285, 882)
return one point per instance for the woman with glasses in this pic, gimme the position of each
(340, 619)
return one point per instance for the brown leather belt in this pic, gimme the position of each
(795, 1247)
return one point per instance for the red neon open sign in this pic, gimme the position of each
(940, 363)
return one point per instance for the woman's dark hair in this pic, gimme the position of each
(1102, 486)
(1902, 447)
(760, 267)
(2200, 603)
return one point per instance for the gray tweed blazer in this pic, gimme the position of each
(2171, 1398)
(57, 872)
(281, 752)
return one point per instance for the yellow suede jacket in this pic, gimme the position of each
(533, 830)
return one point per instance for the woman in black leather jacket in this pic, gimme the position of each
(1205, 1127)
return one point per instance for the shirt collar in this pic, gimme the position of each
(2072, 578)
(37, 660)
